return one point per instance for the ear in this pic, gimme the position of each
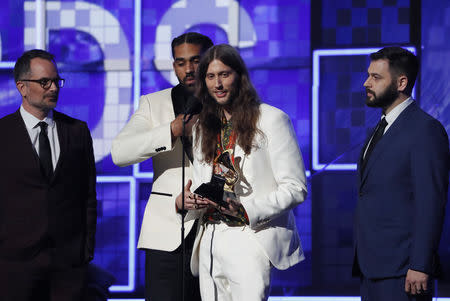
(22, 88)
(402, 82)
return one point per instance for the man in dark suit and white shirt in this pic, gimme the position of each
(402, 186)
(47, 191)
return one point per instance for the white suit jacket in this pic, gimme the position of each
(147, 135)
(272, 182)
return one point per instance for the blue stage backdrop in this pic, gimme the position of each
(308, 59)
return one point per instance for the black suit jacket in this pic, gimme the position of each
(38, 213)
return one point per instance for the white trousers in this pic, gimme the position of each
(232, 265)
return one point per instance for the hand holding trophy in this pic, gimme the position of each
(221, 186)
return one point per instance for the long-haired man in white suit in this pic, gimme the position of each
(239, 242)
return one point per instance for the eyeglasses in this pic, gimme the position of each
(46, 83)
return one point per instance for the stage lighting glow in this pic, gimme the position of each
(132, 230)
(137, 53)
(40, 15)
(7, 65)
(324, 298)
(140, 174)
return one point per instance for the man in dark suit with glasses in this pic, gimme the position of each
(47, 191)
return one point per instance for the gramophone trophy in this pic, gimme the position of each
(214, 190)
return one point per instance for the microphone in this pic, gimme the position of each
(193, 106)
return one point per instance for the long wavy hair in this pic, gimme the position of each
(244, 105)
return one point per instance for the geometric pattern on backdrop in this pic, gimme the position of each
(340, 118)
(365, 22)
(106, 30)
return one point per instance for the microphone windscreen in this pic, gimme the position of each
(193, 106)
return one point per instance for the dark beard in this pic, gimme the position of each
(189, 88)
(385, 99)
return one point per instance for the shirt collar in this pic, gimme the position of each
(392, 115)
(32, 122)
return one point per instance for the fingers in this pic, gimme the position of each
(413, 289)
(216, 206)
(212, 203)
(189, 125)
(232, 209)
(418, 288)
(194, 201)
(188, 186)
(176, 126)
(415, 286)
(425, 286)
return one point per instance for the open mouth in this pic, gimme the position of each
(189, 80)
(370, 93)
(220, 94)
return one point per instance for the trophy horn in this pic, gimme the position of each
(229, 170)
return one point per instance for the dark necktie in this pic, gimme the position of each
(45, 153)
(375, 138)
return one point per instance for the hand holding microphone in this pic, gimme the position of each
(193, 107)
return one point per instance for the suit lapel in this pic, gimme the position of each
(391, 134)
(164, 111)
(62, 138)
(361, 154)
(179, 97)
(23, 139)
(207, 170)
(239, 157)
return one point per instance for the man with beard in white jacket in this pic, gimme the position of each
(154, 131)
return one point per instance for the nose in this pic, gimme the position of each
(53, 86)
(367, 83)
(189, 67)
(218, 82)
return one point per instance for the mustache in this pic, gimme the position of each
(370, 91)
(189, 76)
(52, 95)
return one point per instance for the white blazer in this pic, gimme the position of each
(272, 182)
(147, 135)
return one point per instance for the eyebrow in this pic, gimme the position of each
(221, 71)
(177, 59)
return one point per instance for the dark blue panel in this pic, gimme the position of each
(361, 22)
(344, 119)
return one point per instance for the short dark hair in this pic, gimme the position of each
(401, 62)
(192, 38)
(22, 65)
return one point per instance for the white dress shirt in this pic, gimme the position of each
(34, 129)
(391, 117)
(395, 112)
